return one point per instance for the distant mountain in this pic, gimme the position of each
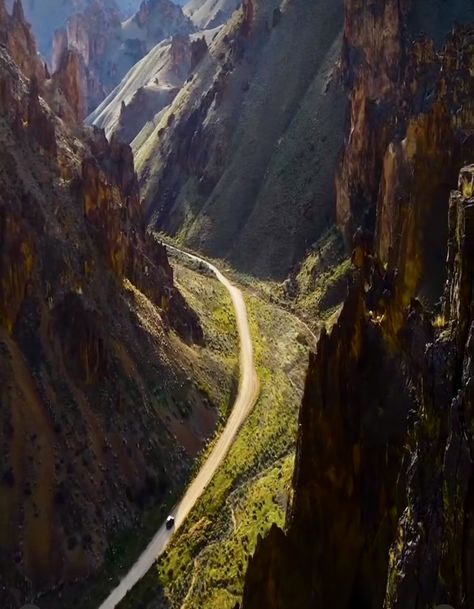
(110, 47)
(46, 16)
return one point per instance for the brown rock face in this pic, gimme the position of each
(383, 507)
(16, 36)
(382, 514)
(87, 307)
(410, 109)
(71, 78)
(112, 207)
(431, 560)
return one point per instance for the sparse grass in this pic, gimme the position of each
(205, 564)
(315, 291)
(439, 322)
(212, 371)
(320, 283)
(214, 306)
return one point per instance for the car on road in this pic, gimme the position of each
(170, 522)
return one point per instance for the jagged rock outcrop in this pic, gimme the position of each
(411, 109)
(70, 79)
(432, 557)
(346, 501)
(382, 512)
(89, 363)
(110, 47)
(382, 506)
(16, 36)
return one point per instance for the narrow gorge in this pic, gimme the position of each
(320, 154)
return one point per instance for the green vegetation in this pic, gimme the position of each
(321, 281)
(204, 565)
(212, 372)
(216, 372)
(316, 289)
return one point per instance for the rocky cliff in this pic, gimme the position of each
(91, 331)
(48, 16)
(110, 46)
(382, 506)
(17, 37)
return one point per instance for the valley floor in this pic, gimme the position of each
(205, 563)
(213, 371)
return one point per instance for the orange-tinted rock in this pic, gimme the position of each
(71, 78)
(17, 263)
(40, 124)
(15, 34)
(82, 373)
(382, 512)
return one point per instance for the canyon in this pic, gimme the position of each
(322, 154)
(97, 344)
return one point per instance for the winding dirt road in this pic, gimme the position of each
(246, 397)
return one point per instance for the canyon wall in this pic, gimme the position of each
(382, 508)
(150, 86)
(91, 327)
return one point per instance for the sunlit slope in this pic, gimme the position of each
(148, 88)
(242, 163)
(210, 13)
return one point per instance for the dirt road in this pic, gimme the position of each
(246, 397)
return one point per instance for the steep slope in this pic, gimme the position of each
(208, 14)
(242, 163)
(150, 86)
(382, 511)
(110, 47)
(96, 345)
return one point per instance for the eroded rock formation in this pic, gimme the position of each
(109, 46)
(16, 36)
(87, 312)
(382, 506)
